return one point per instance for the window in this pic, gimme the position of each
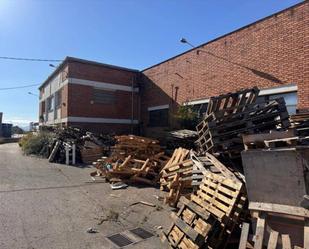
(158, 118)
(58, 99)
(50, 104)
(101, 96)
(200, 109)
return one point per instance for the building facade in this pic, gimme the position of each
(91, 95)
(272, 53)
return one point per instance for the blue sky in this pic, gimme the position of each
(129, 33)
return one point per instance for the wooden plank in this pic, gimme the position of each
(260, 229)
(222, 197)
(224, 170)
(279, 208)
(286, 241)
(273, 239)
(244, 235)
(54, 152)
(213, 202)
(218, 213)
(125, 162)
(197, 209)
(306, 234)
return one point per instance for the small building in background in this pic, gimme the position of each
(5, 129)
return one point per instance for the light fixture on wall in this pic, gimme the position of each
(30, 93)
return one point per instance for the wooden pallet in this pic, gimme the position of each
(176, 176)
(209, 217)
(218, 195)
(227, 104)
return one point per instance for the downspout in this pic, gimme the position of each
(132, 103)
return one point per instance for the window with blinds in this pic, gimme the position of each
(101, 96)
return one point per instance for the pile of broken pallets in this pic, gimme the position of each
(72, 145)
(133, 159)
(249, 177)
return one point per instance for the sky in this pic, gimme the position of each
(129, 33)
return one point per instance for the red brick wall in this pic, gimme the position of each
(80, 97)
(269, 53)
(100, 73)
(80, 104)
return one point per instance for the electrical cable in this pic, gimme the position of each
(27, 59)
(17, 87)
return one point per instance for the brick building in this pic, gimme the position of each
(272, 53)
(91, 95)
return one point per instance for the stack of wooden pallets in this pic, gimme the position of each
(140, 147)
(134, 160)
(233, 114)
(208, 219)
(176, 176)
(300, 122)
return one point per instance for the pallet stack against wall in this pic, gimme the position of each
(233, 114)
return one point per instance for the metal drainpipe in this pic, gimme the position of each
(132, 104)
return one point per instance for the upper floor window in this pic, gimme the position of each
(102, 96)
(50, 103)
(58, 99)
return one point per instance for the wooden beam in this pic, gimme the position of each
(260, 229)
(244, 235)
(306, 234)
(273, 239)
(279, 208)
(286, 241)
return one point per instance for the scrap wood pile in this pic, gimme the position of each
(88, 146)
(133, 159)
(265, 198)
(300, 122)
(135, 146)
(181, 138)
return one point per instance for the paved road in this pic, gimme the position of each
(45, 205)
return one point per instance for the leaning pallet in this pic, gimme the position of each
(205, 164)
(208, 219)
(176, 176)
